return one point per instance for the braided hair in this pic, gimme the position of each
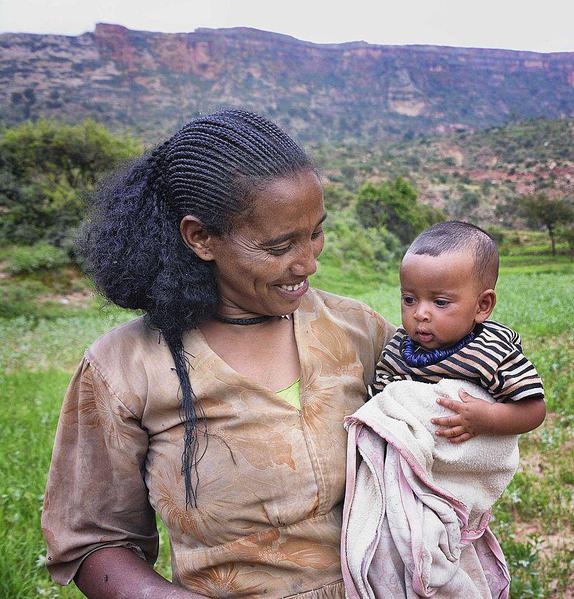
(132, 246)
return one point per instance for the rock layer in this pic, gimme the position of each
(153, 82)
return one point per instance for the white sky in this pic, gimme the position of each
(538, 25)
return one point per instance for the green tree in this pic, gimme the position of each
(46, 168)
(540, 210)
(566, 233)
(393, 205)
(336, 198)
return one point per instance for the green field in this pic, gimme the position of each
(49, 319)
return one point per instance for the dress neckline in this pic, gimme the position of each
(198, 349)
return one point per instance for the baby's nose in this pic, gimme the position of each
(422, 313)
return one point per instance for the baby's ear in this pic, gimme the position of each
(485, 305)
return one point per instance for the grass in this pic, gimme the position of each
(42, 344)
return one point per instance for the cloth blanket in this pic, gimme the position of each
(415, 521)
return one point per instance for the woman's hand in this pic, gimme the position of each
(117, 572)
(473, 416)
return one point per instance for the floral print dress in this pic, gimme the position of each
(271, 478)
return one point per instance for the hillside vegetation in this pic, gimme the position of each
(469, 175)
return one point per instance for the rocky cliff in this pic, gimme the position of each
(153, 82)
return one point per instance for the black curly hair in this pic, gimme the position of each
(132, 246)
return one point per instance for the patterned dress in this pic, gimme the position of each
(271, 481)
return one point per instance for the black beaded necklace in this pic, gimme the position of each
(252, 320)
(243, 321)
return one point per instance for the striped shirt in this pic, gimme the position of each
(493, 359)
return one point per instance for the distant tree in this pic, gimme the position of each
(393, 205)
(541, 210)
(337, 198)
(46, 168)
(566, 233)
(348, 171)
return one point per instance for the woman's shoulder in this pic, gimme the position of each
(127, 357)
(126, 338)
(325, 300)
(349, 313)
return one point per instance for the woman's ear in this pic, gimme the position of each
(196, 237)
(485, 305)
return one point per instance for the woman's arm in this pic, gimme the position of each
(474, 417)
(117, 572)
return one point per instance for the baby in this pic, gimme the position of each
(417, 506)
(447, 276)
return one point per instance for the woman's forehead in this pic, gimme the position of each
(285, 203)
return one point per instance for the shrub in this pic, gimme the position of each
(392, 205)
(19, 299)
(28, 259)
(354, 247)
(497, 233)
(46, 169)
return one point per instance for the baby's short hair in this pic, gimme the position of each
(458, 236)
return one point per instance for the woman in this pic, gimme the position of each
(221, 410)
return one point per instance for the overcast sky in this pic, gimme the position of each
(538, 25)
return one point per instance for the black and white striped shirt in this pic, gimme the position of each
(493, 359)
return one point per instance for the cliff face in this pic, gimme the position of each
(154, 82)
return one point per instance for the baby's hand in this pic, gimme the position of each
(472, 417)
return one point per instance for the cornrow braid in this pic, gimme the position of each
(133, 249)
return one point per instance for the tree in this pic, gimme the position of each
(566, 233)
(393, 205)
(46, 168)
(540, 210)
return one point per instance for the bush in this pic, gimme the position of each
(392, 205)
(355, 247)
(497, 233)
(20, 299)
(46, 169)
(28, 259)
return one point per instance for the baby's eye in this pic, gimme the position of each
(441, 303)
(408, 300)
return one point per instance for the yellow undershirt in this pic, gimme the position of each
(291, 394)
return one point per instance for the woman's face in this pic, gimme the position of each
(262, 266)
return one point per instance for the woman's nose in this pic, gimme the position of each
(306, 262)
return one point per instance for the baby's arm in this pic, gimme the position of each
(474, 416)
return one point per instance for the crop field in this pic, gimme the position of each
(47, 321)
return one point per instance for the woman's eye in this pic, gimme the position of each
(279, 251)
(317, 234)
(408, 300)
(441, 303)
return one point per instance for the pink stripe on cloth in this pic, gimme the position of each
(351, 474)
(413, 514)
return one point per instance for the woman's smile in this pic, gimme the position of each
(297, 290)
(262, 266)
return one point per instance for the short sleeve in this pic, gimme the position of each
(516, 378)
(96, 494)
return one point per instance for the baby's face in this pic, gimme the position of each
(439, 298)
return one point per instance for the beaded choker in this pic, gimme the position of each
(416, 356)
(246, 321)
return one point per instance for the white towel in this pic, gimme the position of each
(417, 508)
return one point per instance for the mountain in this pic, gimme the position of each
(468, 175)
(151, 83)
